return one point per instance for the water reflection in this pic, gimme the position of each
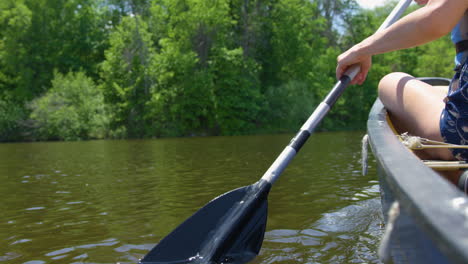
(111, 201)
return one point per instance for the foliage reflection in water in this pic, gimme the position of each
(111, 201)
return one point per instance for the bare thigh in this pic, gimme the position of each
(415, 107)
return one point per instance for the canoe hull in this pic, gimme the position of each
(432, 226)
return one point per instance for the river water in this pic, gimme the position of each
(112, 201)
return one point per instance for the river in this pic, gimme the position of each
(112, 201)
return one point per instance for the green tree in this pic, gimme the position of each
(297, 76)
(39, 36)
(15, 22)
(182, 99)
(72, 109)
(126, 76)
(12, 116)
(336, 14)
(236, 92)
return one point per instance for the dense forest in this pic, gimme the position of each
(90, 69)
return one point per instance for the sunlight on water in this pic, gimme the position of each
(112, 201)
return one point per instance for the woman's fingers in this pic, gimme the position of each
(344, 62)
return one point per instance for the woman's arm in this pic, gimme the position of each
(428, 23)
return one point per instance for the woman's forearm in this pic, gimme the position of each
(428, 23)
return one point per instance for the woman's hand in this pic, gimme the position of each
(351, 57)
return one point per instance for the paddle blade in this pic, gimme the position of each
(198, 235)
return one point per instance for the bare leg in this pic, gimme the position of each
(415, 107)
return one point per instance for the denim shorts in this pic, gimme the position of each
(454, 117)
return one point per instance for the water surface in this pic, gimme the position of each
(112, 201)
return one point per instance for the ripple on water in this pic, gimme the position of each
(9, 256)
(355, 227)
(307, 237)
(82, 256)
(76, 202)
(20, 241)
(130, 247)
(70, 251)
(59, 252)
(35, 208)
(353, 218)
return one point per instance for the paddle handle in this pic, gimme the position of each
(282, 161)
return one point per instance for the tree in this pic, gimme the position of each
(336, 14)
(72, 109)
(296, 76)
(126, 76)
(236, 92)
(185, 66)
(39, 36)
(15, 22)
(12, 115)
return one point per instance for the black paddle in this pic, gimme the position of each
(230, 228)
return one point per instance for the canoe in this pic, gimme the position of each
(426, 216)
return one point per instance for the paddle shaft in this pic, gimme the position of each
(282, 161)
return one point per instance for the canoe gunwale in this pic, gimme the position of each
(435, 205)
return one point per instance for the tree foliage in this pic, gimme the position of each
(77, 69)
(12, 115)
(126, 75)
(72, 109)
